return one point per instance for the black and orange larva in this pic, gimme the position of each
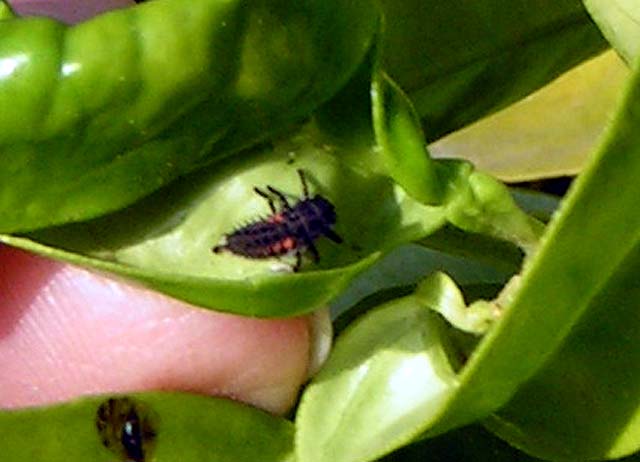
(290, 230)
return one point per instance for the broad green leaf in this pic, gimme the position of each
(106, 111)
(548, 134)
(459, 61)
(619, 21)
(165, 241)
(582, 405)
(388, 372)
(557, 316)
(187, 428)
(575, 297)
(584, 284)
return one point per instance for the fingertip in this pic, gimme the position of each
(66, 332)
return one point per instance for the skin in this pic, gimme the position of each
(67, 10)
(66, 332)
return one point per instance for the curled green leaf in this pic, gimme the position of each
(388, 376)
(116, 107)
(441, 294)
(475, 202)
(401, 142)
(479, 203)
(166, 241)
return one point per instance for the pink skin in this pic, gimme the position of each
(69, 10)
(66, 332)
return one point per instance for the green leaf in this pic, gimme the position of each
(187, 428)
(619, 21)
(388, 373)
(550, 133)
(115, 107)
(392, 375)
(582, 289)
(441, 294)
(5, 11)
(479, 203)
(402, 143)
(560, 347)
(462, 60)
(574, 297)
(165, 241)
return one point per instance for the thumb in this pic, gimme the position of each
(66, 332)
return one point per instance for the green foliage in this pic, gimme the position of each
(548, 134)
(599, 297)
(618, 20)
(459, 62)
(387, 375)
(187, 427)
(120, 105)
(134, 145)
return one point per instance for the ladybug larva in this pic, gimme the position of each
(125, 427)
(291, 229)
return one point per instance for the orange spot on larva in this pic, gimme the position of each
(289, 243)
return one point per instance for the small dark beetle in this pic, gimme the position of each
(125, 428)
(290, 230)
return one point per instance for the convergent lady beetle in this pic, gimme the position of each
(290, 230)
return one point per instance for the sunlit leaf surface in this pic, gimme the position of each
(550, 133)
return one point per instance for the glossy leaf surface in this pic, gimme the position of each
(558, 353)
(166, 240)
(586, 278)
(619, 21)
(116, 107)
(459, 61)
(388, 373)
(548, 134)
(187, 428)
